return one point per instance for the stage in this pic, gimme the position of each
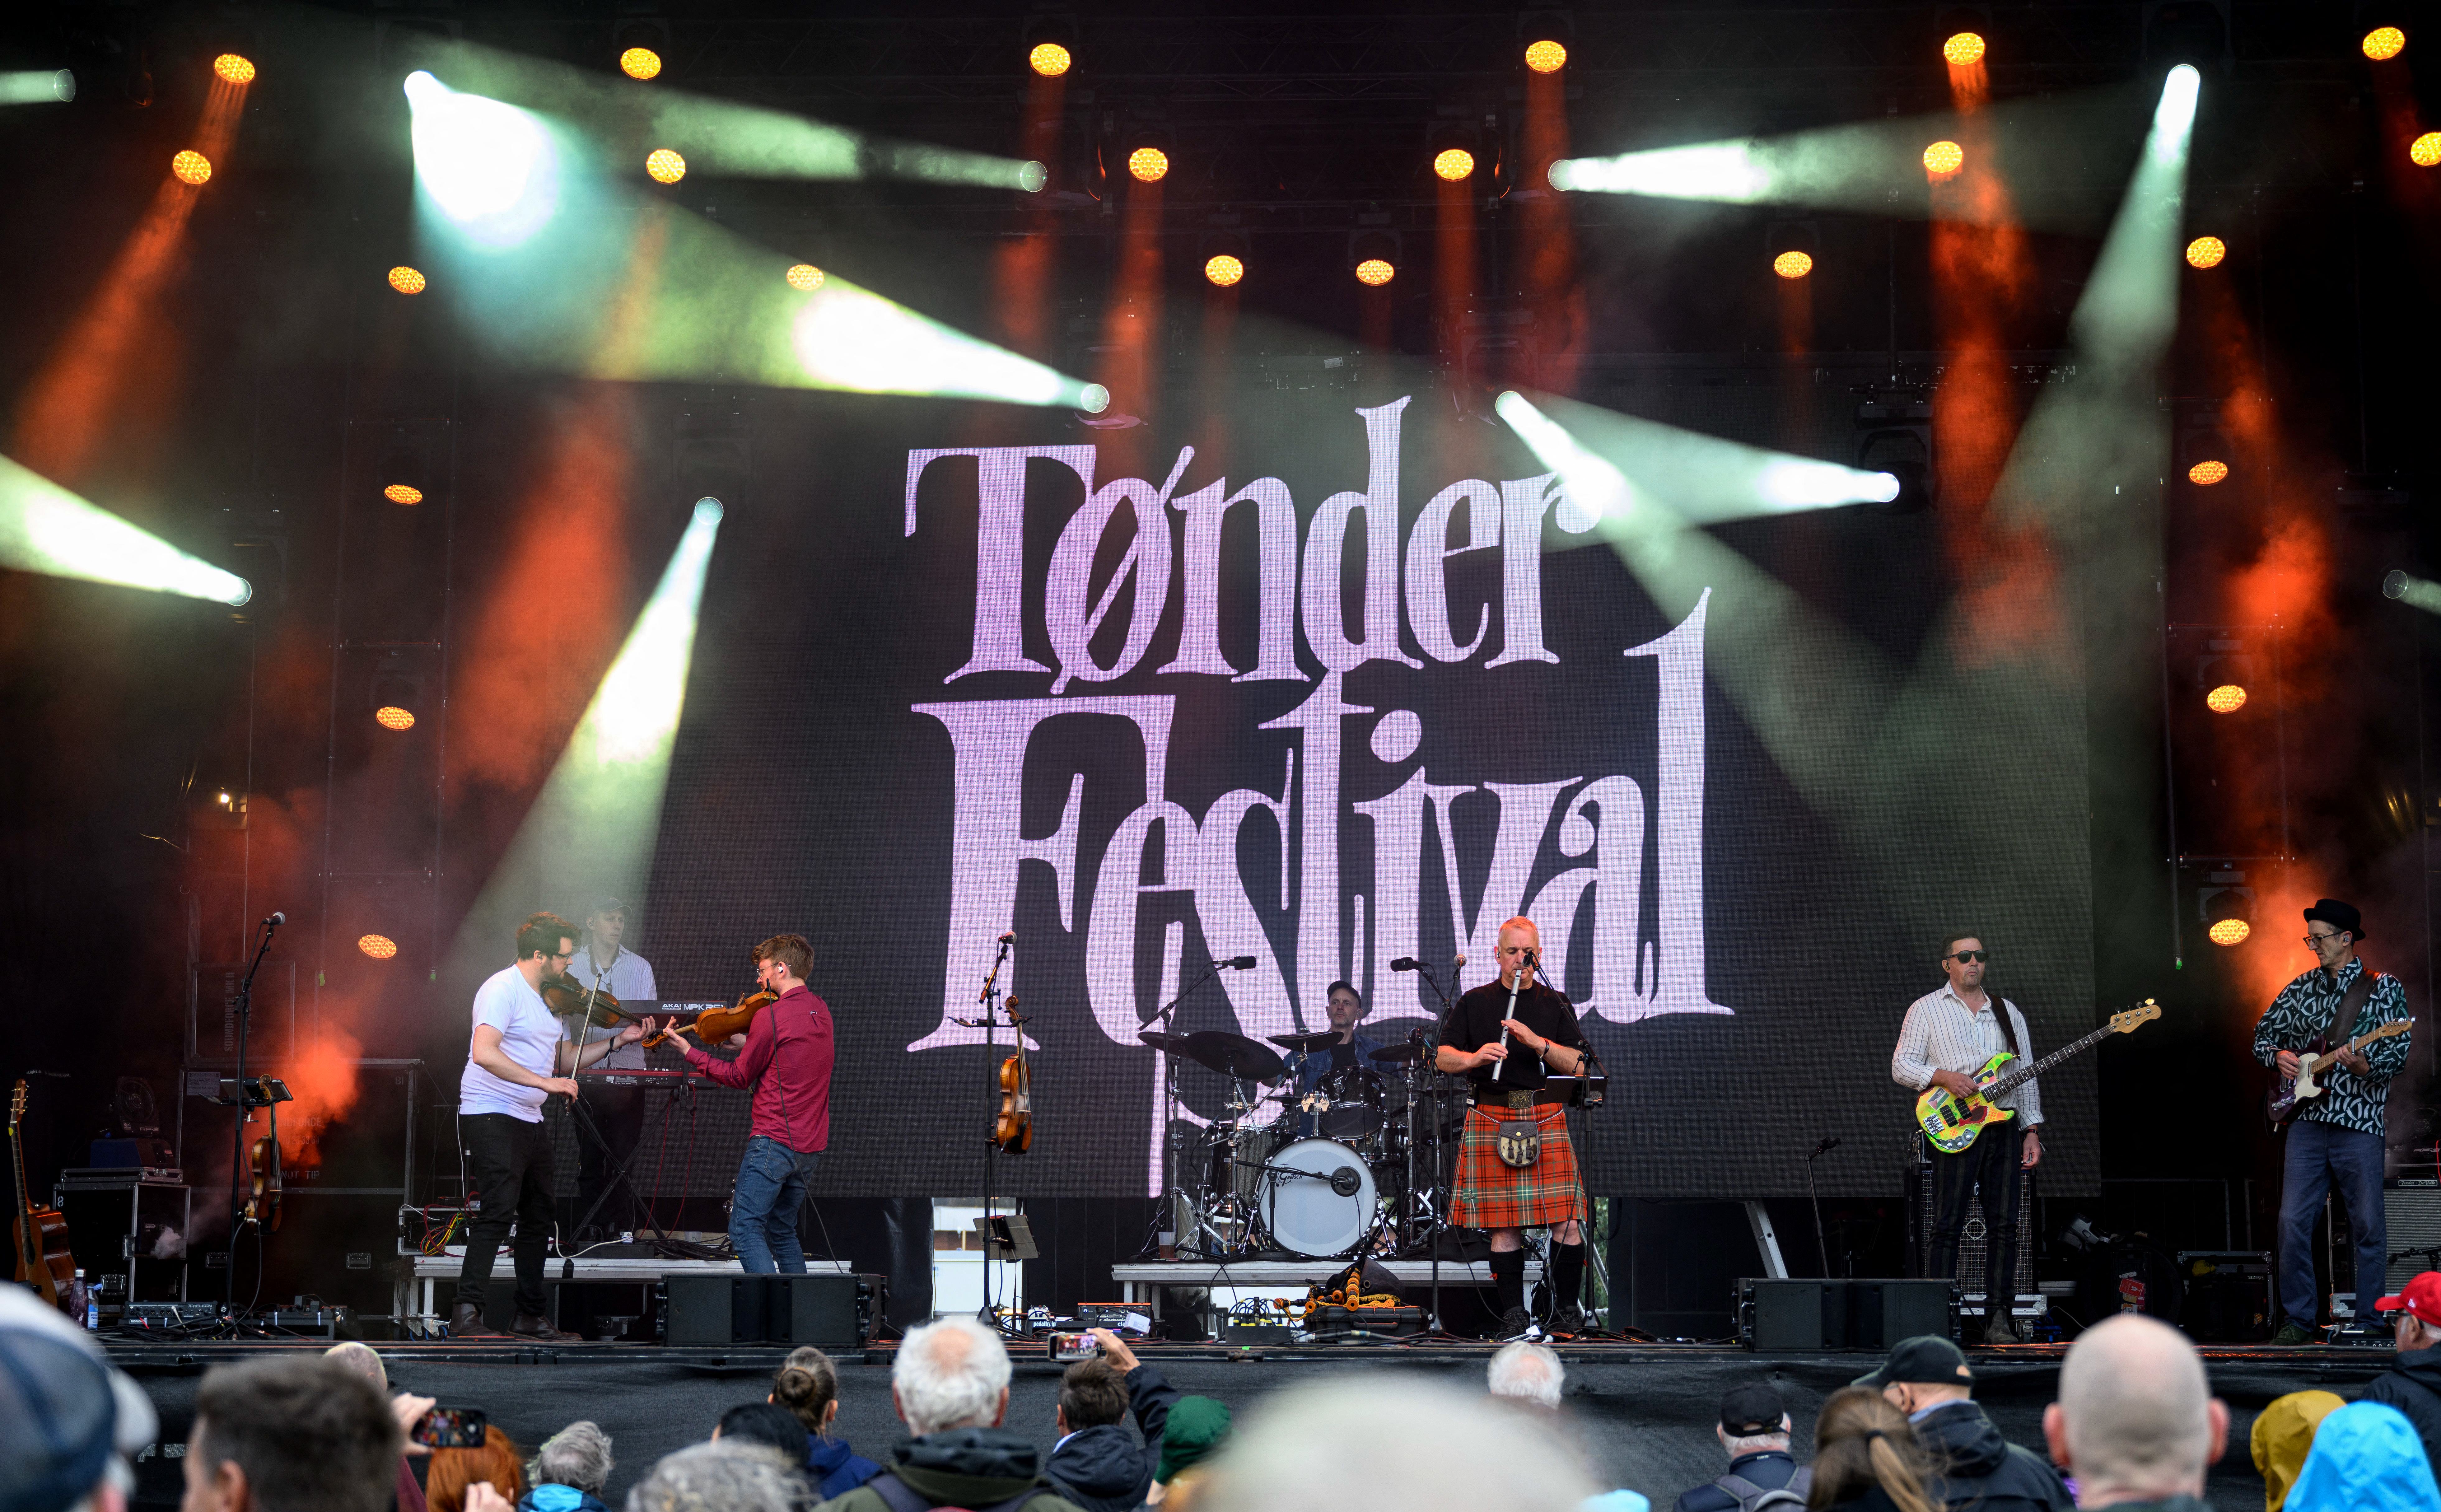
(1645, 1411)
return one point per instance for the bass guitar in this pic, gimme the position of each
(1950, 1122)
(2282, 1100)
(44, 1262)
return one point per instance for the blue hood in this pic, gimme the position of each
(560, 1499)
(2367, 1458)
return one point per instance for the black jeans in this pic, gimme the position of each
(509, 1163)
(1991, 1162)
(619, 1115)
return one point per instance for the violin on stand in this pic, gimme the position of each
(1008, 1101)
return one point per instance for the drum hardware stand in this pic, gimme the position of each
(989, 997)
(1172, 1141)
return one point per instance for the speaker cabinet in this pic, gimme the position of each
(761, 1309)
(1841, 1314)
(2412, 1212)
(1975, 1240)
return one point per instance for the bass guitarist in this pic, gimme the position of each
(1948, 1034)
(2338, 1134)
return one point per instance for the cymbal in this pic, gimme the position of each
(1311, 1039)
(1391, 1053)
(1167, 1044)
(1233, 1054)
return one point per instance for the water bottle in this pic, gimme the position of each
(81, 1300)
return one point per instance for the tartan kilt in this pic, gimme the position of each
(1492, 1195)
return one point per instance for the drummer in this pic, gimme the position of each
(1351, 1051)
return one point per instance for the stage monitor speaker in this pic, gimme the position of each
(761, 1309)
(698, 1309)
(1778, 1315)
(2413, 1207)
(1864, 1313)
(817, 1310)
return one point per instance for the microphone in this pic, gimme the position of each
(1238, 963)
(274, 919)
(1408, 963)
(1345, 1181)
(1010, 937)
(1826, 1146)
(1459, 961)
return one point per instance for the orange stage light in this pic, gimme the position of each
(1793, 264)
(2206, 252)
(234, 67)
(2426, 149)
(1944, 157)
(1545, 57)
(664, 166)
(804, 276)
(1048, 59)
(390, 717)
(1148, 164)
(2230, 932)
(2384, 43)
(1223, 270)
(640, 63)
(191, 167)
(2204, 475)
(1451, 164)
(379, 946)
(1963, 50)
(1375, 272)
(402, 494)
(405, 279)
(2226, 699)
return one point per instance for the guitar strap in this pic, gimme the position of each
(2008, 1024)
(2351, 1006)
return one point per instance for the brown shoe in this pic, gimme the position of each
(2000, 1332)
(466, 1322)
(527, 1325)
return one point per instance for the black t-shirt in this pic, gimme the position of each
(1474, 1022)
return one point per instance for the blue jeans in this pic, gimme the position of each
(2320, 1154)
(762, 1212)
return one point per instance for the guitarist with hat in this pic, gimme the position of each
(2338, 1136)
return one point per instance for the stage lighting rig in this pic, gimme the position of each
(1224, 259)
(2225, 907)
(234, 68)
(2416, 593)
(2224, 673)
(2204, 451)
(1894, 436)
(402, 473)
(37, 86)
(1545, 38)
(644, 44)
(1149, 160)
(1373, 257)
(664, 165)
(2206, 252)
(395, 693)
(1050, 46)
(1454, 152)
(1944, 158)
(406, 280)
(804, 276)
(1964, 34)
(2426, 149)
(191, 167)
(1792, 245)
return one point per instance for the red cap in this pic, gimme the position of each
(2420, 1296)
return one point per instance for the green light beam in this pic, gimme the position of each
(46, 529)
(2416, 593)
(1705, 478)
(37, 86)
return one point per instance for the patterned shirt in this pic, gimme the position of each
(1943, 1033)
(2305, 1009)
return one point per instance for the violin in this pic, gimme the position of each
(566, 995)
(263, 1176)
(1013, 1130)
(713, 1025)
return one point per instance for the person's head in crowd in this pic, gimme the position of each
(1925, 1371)
(1861, 1443)
(1527, 1372)
(2133, 1421)
(809, 1385)
(2283, 1432)
(64, 1430)
(1197, 1430)
(950, 1374)
(1092, 1393)
(2367, 1458)
(2416, 1324)
(362, 1358)
(1352, 1445)
(499, 1463)
(291, 1434)
(577, 1457)
(1754, 1420)
(766, 1423)
(726, 1476)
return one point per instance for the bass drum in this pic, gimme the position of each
(1318, 1198)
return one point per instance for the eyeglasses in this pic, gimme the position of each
(2315, 942)
(1965, 956)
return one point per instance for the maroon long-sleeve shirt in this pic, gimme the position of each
(787, 1062)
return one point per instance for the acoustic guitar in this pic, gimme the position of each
(44, 1262)
(1951, 1123)
(2282, 1099)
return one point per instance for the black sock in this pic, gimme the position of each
(1508, 1279)
(1567, 1273)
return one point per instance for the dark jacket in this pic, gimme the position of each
(2414, 1386)
(560, 1499)
(1767, 1468)
(835, 1469)
(1874, 1499)
(1976, 1468)
(961, 1467)
(1103, 1468)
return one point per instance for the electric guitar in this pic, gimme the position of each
(1951, 1123)
(2281, 1102)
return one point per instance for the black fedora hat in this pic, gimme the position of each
(2338, 915)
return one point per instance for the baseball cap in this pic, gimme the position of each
(64, 1409)
(2420, 1296)
(1927, 1359)
(605, 904)
(1751, 1409)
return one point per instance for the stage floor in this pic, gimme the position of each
(1646, 1411)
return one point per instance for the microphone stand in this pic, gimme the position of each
(1588, 1064)
(1437, 1207)
(989, 997)
(1821, 1245)
(244, 1110)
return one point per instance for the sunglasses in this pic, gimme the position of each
(1965, 956)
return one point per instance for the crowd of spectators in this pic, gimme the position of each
(2135, 1428)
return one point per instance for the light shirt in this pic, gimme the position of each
(1943, 1033)
(629, 980)
(528, 1036)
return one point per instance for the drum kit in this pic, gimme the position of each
(1350, 1161)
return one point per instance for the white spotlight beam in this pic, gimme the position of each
(1706, 479)
(2416, 593)
(37, 86)
(46, 529)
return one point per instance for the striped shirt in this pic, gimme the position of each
(1943, 1033)
(2304, 1010)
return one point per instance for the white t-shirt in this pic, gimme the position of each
(528, 1036)
(629, 980)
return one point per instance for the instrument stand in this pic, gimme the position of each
(1430, 1083)
(244, 1112)
(989, 1024)
(1821, 1245)
(1171, 1141)
(663, 1244)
